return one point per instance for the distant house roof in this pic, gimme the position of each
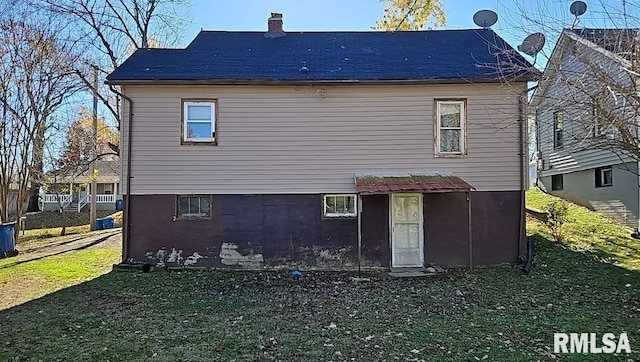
(615, 43)
(108, 171)
(385, 183)
(619, 41)
(434, 56)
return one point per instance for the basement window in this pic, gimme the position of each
(604, 176)
(339, 205)
(557, 183)
(193, 206)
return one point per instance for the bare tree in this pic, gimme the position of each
(111, 30)
(36, 78)
(589, 94)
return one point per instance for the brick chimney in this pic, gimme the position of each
(275, 26)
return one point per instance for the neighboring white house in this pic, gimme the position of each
(585, 99)
(71, 189)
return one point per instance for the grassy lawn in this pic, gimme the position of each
(21, 281)
(589, 232)
(493, 314)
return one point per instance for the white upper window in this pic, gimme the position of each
(199, 122)
(340, 205)
(450, 127)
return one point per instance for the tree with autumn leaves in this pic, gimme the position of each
(402, 15)
(80, 141)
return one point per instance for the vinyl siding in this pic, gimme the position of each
(619, 201)
(284, 140)
(568, 85)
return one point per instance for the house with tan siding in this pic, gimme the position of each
(586, 100)
(324, 150)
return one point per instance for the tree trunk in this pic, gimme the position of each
(37, 169)
(33, 204)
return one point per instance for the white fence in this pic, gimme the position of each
(66, 199)
(53, 198)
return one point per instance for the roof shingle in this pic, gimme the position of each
(434, 55)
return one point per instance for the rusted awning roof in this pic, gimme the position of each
(384, 183)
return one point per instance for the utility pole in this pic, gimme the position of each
(94, 184)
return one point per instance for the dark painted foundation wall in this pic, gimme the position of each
(258, 231)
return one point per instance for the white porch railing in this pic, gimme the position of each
(68, 199)
(83, 201)
(54, 198)
(100, 199)
(104, 198)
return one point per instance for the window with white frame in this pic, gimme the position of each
(604, 176)
(194, 206)
(450, 127)
(558, 130)
(199, 122)
(339, 205)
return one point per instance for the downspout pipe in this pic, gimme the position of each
(470, 231)
(126, 232)
(522, 110)
(359, 234)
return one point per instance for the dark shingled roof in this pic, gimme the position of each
(248, 57)
(621, 41)
(385, 183)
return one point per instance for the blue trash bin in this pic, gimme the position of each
(99, 224)
(118, 205)
(107, 222)
(7, 239)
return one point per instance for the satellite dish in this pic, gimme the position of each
(532, 44)
(578, 8)
(485, 18)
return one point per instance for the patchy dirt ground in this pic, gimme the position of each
(494, 314)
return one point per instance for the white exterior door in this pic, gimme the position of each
(407, 239)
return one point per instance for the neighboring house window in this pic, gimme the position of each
(340, 205)
(599, 119)
(108, 189)
(557, 183)
(450, 127)
(199, 122)
(194, 206)
(604, 176)
(558, 130)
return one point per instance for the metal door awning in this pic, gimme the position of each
(380, 183)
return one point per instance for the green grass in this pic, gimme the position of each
(590, 232)
(493, 314)
(22, 280)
